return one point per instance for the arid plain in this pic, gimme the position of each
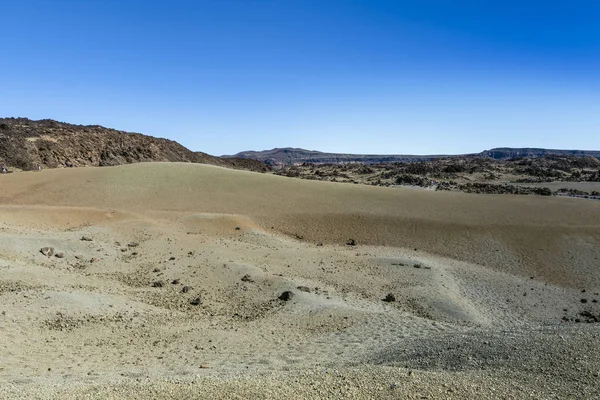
(168, 281)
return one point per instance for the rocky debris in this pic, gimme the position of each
(86, 238)
(389, 298)
(171, 258)
(175, 282)
(60, 254)
(185, 289)
(303, 289)
(196, 302)
(133, 244)
(156, 270)
(466, 173)
(158, 284)
(584, 316)
(247, 278)
(319, 244)
(417, 266)
(286, 296)
(589, 317)
(47, 251)
(351, 242)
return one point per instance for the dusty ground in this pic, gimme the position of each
(170, 282)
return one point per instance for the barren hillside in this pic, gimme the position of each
(25, 143)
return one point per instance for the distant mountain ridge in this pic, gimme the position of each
(25, 143)
(290, 156)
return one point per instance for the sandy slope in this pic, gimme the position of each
(480, 316)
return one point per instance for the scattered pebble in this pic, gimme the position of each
(47, 251)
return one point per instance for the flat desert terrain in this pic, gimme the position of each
(185, 281)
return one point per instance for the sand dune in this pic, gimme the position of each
(155, 304)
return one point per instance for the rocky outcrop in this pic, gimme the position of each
(25, 144)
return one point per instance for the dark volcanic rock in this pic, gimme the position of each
(196, 302)
(286, 296)
(390, 298)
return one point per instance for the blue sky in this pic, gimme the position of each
(367, 76)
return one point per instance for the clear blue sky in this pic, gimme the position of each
(366, 76)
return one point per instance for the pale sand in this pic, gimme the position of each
(480, 318)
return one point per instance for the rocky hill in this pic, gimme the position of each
(295, 156)
(25, 143)
(291, 156)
